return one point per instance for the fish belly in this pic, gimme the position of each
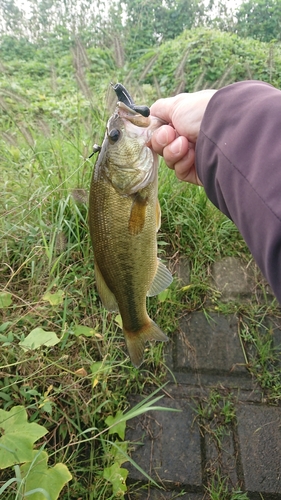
(127, 262)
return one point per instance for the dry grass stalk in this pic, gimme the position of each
(26, 133)
(80, 195)
(82, 53)
(44, 127)
(83, 85)
(180, 87)
(88, 124)
(61, 242)
(224, 80)
(2, 68)
(199, 82)
(148, 67)
(119, 52)
(157, 87)
(10, 138)
(54, 84)
(249, 72)
(14, 95)
(270, 61)
(80, 61)
(3, 105)
(207, 85)
(181, 67)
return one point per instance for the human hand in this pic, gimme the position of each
(176, 141)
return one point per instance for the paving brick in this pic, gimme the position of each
(243, 383)
(206, 353)
(198, 393)
(170, 450)
(153, 494)
(277, 340)
(231, 278)
(209, 345)
(260, 445)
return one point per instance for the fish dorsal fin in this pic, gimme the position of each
(107, 297)
(137, 215)
(161, 280)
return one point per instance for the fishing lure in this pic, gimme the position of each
(124, 96)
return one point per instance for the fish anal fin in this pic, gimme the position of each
(161, 280)
(136, 341)
(137, 215)
(107, 297)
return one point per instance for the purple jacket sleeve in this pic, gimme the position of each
(238, 160)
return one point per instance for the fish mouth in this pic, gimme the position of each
(132, 115)
(151, 123)
(137, 115)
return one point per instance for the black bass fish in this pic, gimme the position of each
(124, 217)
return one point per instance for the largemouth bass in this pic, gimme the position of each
(124, 217)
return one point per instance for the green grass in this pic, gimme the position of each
(72, 388)
(219, 490)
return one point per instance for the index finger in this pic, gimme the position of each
(162, 109)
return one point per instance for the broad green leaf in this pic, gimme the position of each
(17, 436)
(5, 325)
(55, 298)
(38, 337)
(117, 477)
(96, 367)
(164, 295)
(118, 320)
(47, 406)
(119, 451)
(5, 396)
(115, 425)
(5, 299)
(83, 330)
(39, 475)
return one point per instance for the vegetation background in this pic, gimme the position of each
(64, 373)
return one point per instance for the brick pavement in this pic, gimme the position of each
(184, 451)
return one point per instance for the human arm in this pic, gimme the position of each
(238, 161)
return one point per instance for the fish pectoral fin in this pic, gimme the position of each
(161, 280)
(137, 215)
(107, 297)
(136, 341)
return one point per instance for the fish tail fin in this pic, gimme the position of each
(136, 341)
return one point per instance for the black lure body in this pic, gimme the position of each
(124, 96)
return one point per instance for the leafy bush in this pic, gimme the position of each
(203, 58)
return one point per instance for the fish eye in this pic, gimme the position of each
(114, 135)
